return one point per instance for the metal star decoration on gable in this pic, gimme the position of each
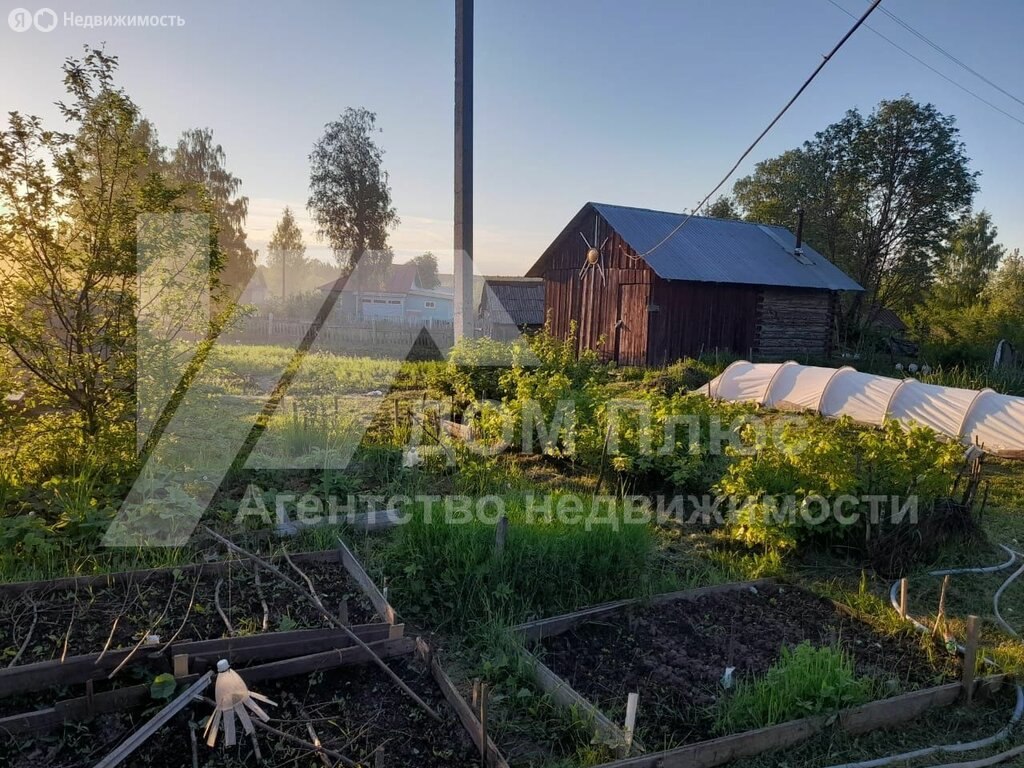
(595, 256)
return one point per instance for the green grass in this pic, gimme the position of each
(253, 369)
(804, 681)
(448, 575)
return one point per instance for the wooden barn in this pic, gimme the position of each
(510, 306)
(715, 284)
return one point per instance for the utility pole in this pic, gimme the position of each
(464, 313)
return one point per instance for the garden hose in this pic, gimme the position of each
(999, 592)
(968, 746)
(953, 572)
(1018, 710)
(980, 569)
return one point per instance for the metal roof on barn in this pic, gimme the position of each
(714, 250)
(515, 301)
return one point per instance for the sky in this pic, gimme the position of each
(635, 102)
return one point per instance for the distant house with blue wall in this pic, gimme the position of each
(401, 299)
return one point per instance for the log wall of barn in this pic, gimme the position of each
(795, 322)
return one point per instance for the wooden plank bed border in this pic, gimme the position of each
(265, 646)
(85, 707)
(330, 640)
(867, 717)
(28, 678)
(708, 754)
(462, 709)
(556, 625)
(566, 696)
(13, 589)
(355, 569)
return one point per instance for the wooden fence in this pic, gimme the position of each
(371, 335)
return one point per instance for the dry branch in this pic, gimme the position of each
(28, 636)
(220, 608)
(320, 750)
(188, 612)
(263, 599)
(305, 578)
(71, 624)
(315, 601)
(117, 619)
(145, 635)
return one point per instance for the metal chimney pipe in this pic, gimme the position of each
(799, 230)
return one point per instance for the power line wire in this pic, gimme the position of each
(921, 36)
(938, 72)
(825, 60)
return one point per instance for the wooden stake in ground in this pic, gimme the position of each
(970, 657)
(315, 601)
(630, 725)
(940, 618)
(500, 535)
(483, 724)
(903, 598)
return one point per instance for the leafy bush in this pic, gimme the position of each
(804, 681)
(670, 442)
(816, 459)
(552, 382)
(684, 375)
(474, 368)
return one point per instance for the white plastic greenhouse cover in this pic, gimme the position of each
(985, 418)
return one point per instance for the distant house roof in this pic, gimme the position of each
(713, 250)
(515, 301)
(400, 279)
(884, 319)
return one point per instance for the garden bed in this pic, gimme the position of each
(674, 653)
(84, 617)
(354, 710)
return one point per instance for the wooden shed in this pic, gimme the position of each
(642, 293)
(510, 306)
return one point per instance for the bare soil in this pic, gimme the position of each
(70, 622)
(675, 654)
(354, 710)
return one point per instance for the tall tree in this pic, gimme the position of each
(350, 198)
(966, 265)
(723, 208)
(199, 162)
(287, 252)
(426, 270)
(882, 195)
(1004, 299)
(69, 209)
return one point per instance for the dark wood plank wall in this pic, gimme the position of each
(591, 303)
(692, 318)
(794, 322)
